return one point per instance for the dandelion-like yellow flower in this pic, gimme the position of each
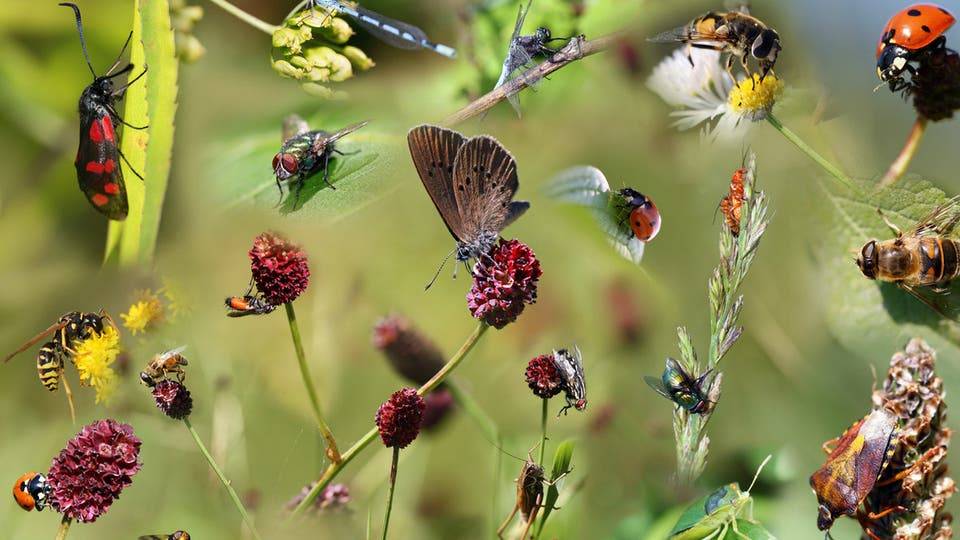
(94, 357)
(146, 312)
(754, 98)
(176, 299)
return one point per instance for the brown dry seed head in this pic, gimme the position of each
(913, 391)
(411, 353)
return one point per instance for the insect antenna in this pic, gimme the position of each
(119, 56)
(757, 474)
(83, 41)
(442, 264)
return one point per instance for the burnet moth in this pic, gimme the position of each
(98, 156)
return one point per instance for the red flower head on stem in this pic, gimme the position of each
(279, 268)
(504, 282)
(399, 418)
(173, 399)
(543, 377)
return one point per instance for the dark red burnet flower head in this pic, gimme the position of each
(399, 418)
(411, 354)
(504, 282)
(936, 85)
(279, 268)
(89, 474)
(543, 377)
(173, 399)
(438, 406)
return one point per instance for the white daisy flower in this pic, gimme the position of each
(705, 93)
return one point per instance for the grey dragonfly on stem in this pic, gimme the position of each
(392, 32)
(522, 52)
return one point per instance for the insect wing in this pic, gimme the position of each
(341, 133)
(484, 182)
(36, 339)
(940, 221)
(657, 385)
(98, 167)
(687, 34)
(293, 125)
(434, 150)
(929, 302)
(571, 370)
(519, 60)
(172, 352)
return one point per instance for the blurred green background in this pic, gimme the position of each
(789, 383)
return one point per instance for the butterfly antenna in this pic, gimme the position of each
(83, 41)
(442, 264)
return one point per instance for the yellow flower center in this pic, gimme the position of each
(144, 313)
(752, 95)
(93, 359)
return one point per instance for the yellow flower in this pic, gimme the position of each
(93, 359)
(175, 297)
(754, 98)
(144, 313)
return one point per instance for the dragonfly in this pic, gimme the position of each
(522, 51)
(392, 32)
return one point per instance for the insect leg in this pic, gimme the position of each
(122, 89)
(326, 170)
(532, 518)
(280, 189)
(930, 303)
(507, 521)
(828, 445)
(896, 230)
(129, 166)
(904, 473)
(116, 116)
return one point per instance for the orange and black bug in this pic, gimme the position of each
(31, 491)
(178, 535)
(923, 256)
(71, 327)
(98, 156)
(248, 304)
(731, 204)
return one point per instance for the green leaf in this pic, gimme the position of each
(748, 529)
(561, 466)
(871, 316)
(241, 173)
(152, 102)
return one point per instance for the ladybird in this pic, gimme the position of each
(644, 217)
(31, 491)
(907, 34)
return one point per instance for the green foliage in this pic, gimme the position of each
(241, 173)
(561, 466)
(152, 102)
(868, 315)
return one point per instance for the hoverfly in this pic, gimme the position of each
(71, 327)
(305, 152)
(570, 366)
(923, 256)
(734, 33)
(178, 535)
(164, 364)
(681, 388)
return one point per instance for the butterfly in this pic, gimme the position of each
(471, 182)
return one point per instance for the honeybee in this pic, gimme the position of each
(178, 535)
(71, 327)
(735, 33)
(164, 364)
(921, 257)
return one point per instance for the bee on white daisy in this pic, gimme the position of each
(706, 93)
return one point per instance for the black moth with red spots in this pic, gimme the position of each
(98, 156)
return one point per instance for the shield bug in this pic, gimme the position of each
(853, 467)
(304, 152)
(716, 513)
(681, 388)
(98, 156)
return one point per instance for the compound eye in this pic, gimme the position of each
(763, 45)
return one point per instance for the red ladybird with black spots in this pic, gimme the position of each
(98, 156)
(644, 218)
(907, 35)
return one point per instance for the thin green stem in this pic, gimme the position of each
(334, 468)
(263, 26)
(543, 430)
(809, 151)
(899, 165)
(223, 479)
(333, 453)
(64, 528)
(393, 483)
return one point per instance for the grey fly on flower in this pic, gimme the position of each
(629, 218)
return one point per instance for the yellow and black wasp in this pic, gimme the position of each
(178, 535)
(70, 328)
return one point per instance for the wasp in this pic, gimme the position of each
(70, 328)
(162, 365)
(734, 33)
(248, 304)
(922, 256)
(178, 535)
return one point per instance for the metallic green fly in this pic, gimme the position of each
(681, 388)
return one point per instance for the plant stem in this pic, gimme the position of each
(543, 430)
(245, 17)
(69, 393)
(64, 528)
(393, 483)
(333, 453)
(899, 165)
(223, 479)
(334, 469)
(810, 152)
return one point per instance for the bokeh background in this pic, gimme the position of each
(789, 384)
